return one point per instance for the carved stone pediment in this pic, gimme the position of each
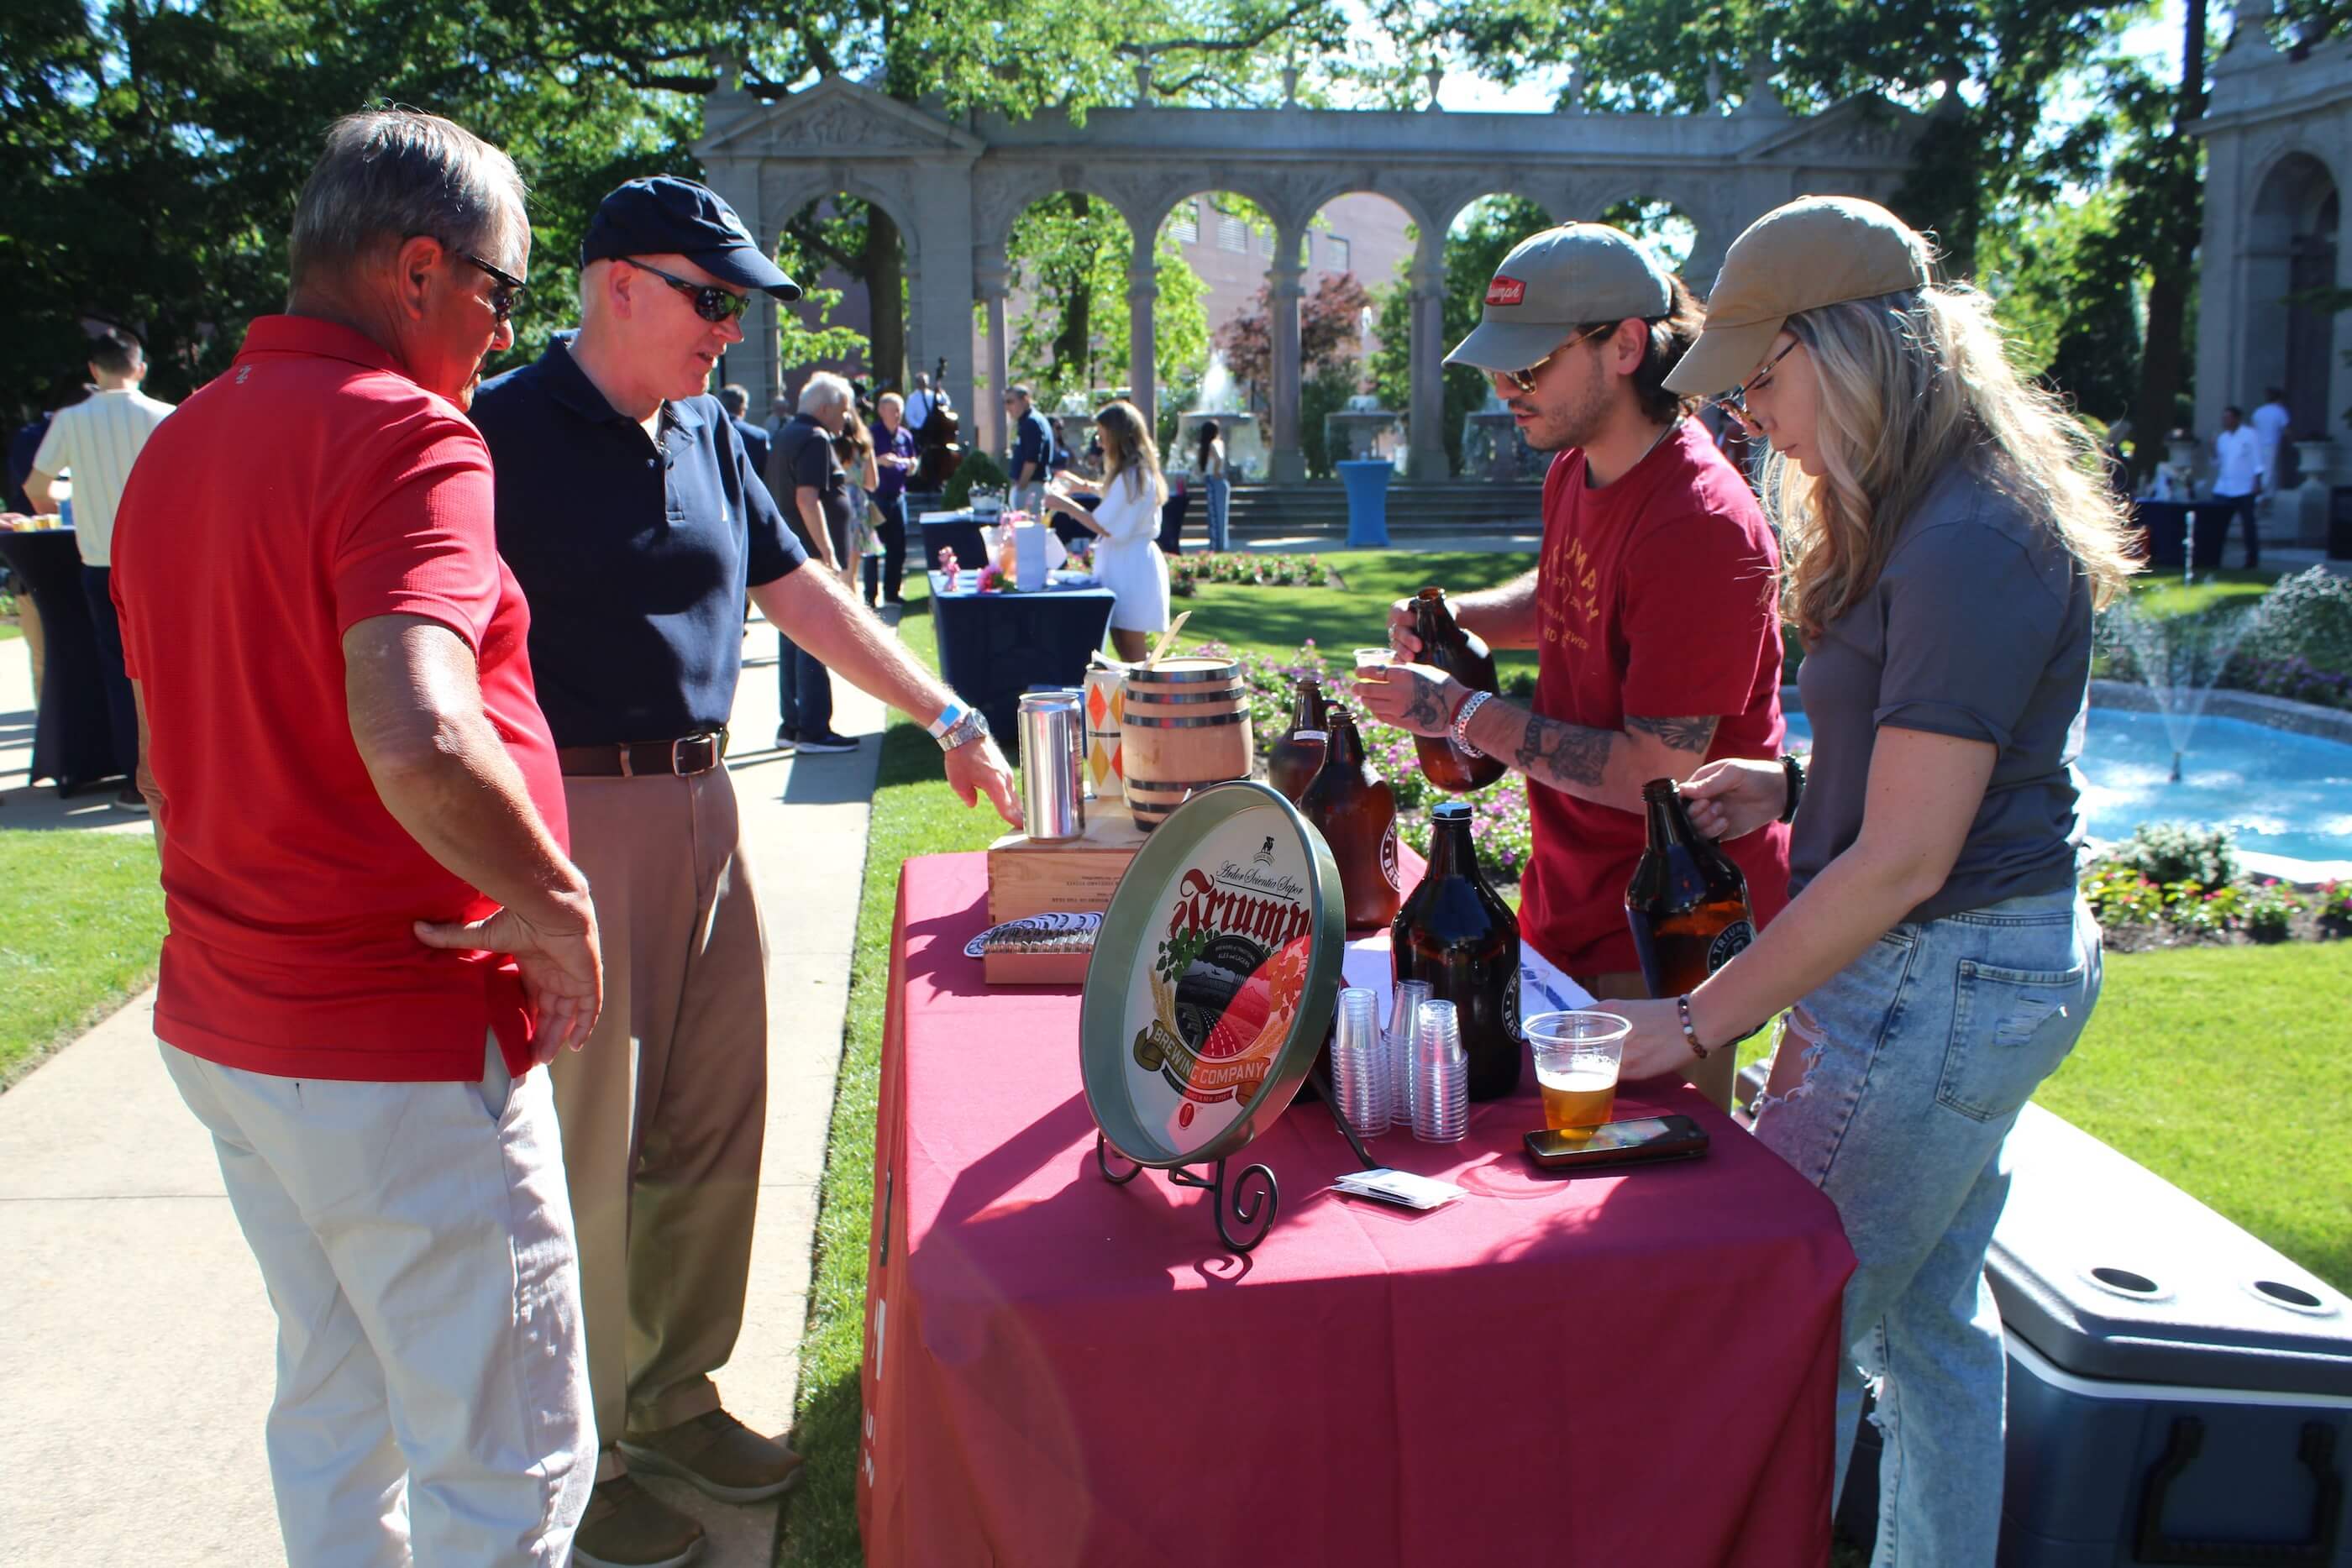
(839, 119)
(1865, 129)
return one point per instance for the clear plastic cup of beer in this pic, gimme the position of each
(1577, 1057)
(1374, 662)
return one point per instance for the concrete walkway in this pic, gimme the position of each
(136, 1342)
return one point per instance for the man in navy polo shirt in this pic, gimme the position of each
(631, 516)
(737, 402)
(1033, 449)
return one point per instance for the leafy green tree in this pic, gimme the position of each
(156, 146)
(2066, 287)
(1989, 67)
(1069, 254)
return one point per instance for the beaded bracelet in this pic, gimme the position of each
(1682, 1007)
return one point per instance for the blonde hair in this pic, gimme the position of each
(1127, 448)
(1909, 382)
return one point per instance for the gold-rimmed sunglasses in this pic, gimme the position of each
(1524, 382)
(1735, 401)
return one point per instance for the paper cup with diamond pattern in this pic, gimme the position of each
(1106, 705)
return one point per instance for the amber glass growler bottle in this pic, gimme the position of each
(1466, 657)
(1688, 903)
(1355, 810)
(1457, 934)
(1297, 756)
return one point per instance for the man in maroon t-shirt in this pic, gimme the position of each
(375, 936)
(1651, 610)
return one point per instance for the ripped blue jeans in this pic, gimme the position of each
(1917, 1057)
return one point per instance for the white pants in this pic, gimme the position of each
(417, 1242)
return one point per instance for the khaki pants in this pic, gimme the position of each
(28, 621)
(432, 1401)
(664, 1112)
(1712, 1078)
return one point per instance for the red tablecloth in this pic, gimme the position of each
(1631, 1370)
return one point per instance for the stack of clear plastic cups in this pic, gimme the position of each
(1441, 1071)
(1360, 1067)
(1402, 1018)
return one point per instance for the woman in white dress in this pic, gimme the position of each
(1127, 557)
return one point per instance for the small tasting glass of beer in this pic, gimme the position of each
(1370, 660)
(1577, 1056)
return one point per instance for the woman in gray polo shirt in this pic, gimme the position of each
(1947, 536)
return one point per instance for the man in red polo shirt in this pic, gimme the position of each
(375, 935)
(1651, 610)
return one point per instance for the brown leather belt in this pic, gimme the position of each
(642, 759)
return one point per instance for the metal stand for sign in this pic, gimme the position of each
(1254, 1197)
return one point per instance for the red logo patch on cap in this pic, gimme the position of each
(1505, 291)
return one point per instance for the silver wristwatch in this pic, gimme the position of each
(969, 726)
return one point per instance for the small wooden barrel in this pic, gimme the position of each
(1185, 726)
(1106, 702)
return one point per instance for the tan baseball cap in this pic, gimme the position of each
(1556, 281)
(1815, 251)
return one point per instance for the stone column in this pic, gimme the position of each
(1289, 458)
(989, 418)
(935, 225)
(1425, 420)
(753, 363)
(1142, 295)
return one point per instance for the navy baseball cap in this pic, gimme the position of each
(666, 213)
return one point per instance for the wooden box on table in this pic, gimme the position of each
(1074, 876)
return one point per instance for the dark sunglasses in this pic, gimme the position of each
(508, 293)
(1735, 401)
(710, 303)
(1524, 382)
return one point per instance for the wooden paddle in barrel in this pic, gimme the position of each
(1184, 727)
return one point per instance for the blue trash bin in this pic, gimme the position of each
(1367, 479)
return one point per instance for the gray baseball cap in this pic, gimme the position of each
(1556, 281)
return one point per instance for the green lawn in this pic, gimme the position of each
(1275, 620)
(2224, 1070)
(915, 813)
(2164, 594)
(82, 919)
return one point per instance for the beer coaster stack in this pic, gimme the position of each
(1072, 876)
(1036, 950)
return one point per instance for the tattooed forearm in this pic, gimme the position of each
(1426, 715)
(1682, 734)
(1564, 755)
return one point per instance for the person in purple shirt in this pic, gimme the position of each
(894, 455)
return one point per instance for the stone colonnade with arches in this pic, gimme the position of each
(2278, 154)
(955, 187)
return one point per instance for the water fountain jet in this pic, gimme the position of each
(2180, 659)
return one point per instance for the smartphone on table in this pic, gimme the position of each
(1637, 1142)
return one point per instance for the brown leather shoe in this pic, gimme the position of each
(718, 1455)
(628, 1527)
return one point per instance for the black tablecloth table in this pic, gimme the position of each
(959, 532)
(72, 743)
(2164, 524)
(995, 646)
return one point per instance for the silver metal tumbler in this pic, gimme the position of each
(1053, 754)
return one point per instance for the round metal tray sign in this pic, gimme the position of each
(1213, 979)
